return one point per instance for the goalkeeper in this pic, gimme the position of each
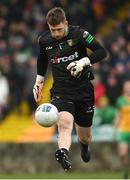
(65, 48)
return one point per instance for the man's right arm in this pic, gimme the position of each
(42, 64)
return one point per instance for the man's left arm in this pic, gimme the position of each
(87, 41)
(98, 53)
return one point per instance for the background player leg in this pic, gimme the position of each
(123, 149)
(84, 136)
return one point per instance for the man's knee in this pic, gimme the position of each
(64, 126)
(65, 121)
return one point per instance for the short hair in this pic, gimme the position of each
(55, 16)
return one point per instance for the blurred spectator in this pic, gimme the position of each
(99, 8)
(106, 111)
(122, 123)
(113, 89)
(126, 27)
(4, 94)
(99, 88)
(29, 82)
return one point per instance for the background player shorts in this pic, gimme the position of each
(124, 137)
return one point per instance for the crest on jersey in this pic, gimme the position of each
(70, 42)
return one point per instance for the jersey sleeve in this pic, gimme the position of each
(42, 60)
(89, 41)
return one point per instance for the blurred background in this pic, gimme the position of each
(27, 148)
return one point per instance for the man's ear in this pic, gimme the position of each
(66, 22)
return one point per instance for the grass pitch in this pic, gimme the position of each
(65, 175)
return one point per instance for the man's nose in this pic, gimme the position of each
(56, 33)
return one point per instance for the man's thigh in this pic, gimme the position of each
(63, 104)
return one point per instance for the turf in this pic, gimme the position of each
(65, 175)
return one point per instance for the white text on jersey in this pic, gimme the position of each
(65, 58)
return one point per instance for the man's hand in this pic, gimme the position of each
(37, 92)
(37, 89)
(76, 67)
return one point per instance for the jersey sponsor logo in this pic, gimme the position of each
(65, 58)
